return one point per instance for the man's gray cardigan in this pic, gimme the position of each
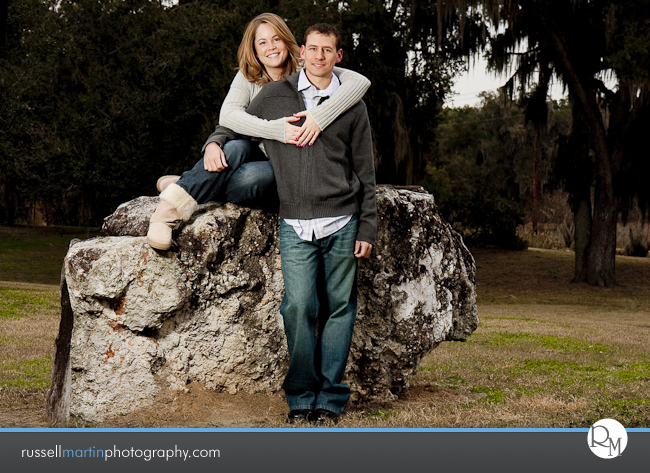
(334, 177)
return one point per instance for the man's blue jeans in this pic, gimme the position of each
(319, 277)
(248, 180)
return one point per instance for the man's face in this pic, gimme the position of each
(320, 54)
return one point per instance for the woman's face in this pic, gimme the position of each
(270, 50)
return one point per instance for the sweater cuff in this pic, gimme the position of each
(367, 233)
(277, 129)
(321, 117)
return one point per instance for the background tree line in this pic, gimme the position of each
(481, 171)
(100, 97)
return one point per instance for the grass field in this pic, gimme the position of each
(35, 254)
(546, 354)
(30, 273)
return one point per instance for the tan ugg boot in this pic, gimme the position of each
(178, 197)
(175, 204)
(161, 224)
(165, 181)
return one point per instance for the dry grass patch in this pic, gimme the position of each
(23, 407)
(29, 319)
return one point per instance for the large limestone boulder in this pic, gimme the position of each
(137, 322)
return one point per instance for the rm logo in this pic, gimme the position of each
(607, 438)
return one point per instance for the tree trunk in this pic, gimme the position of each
(538, 145)
(582, 222)
(579, 186)
(602, 247)
(601, 251)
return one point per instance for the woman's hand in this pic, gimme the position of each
(309, 130)
(291, 132)
(304, 135)
(213, 158)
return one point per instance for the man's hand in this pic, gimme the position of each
(362, 249)
(213, 158)
(309, 130)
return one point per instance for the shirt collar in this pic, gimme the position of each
(304, 84)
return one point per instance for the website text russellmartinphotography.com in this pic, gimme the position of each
(105, 454)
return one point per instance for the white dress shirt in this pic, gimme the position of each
(326, 226)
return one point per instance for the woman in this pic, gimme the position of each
(239, 173)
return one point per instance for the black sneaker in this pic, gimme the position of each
(297, 415)
(322, 416)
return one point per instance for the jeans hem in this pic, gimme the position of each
(300, 408)
(329, 408)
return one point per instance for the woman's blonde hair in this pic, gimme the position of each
(249, 65)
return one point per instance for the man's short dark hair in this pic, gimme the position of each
(327, 30)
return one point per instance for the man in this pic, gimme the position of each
(328, 219)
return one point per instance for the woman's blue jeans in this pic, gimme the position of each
(248, 180)
(319, 278)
